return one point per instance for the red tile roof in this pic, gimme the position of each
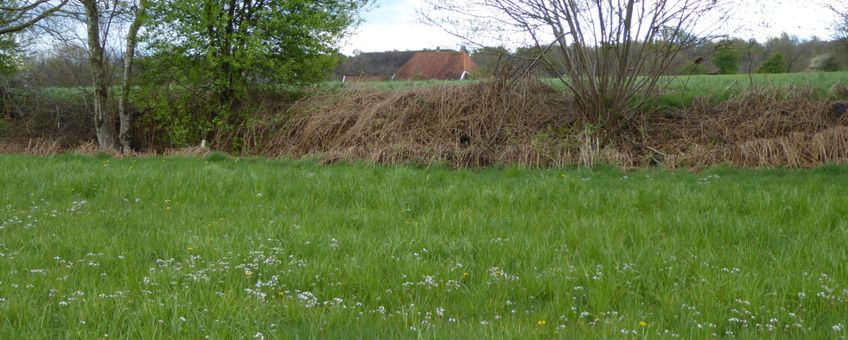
(436, 65)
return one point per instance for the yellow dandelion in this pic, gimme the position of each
(248, 273)
(541, 323)
(643, 324)
(465, 275)
(281, 294)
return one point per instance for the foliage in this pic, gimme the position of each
(727, 61)
(285, 249)
(207, 55)
(231, 44)
(490, 59)
(10, 55)
(775, 64)
(695, 69)
(185, 118)
(790, 46)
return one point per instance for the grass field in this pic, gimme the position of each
(677, 91)
(187, 248)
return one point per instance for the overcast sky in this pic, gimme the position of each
(394, 25)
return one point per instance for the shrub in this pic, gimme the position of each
(824, 63)
(775, 64)
(695, 69)
(727, 61)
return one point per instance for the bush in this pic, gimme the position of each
(824, 63)
(775, 64)
(727, 61)
(3, 127)
(695, 69)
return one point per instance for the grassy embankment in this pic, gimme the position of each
(185, 248)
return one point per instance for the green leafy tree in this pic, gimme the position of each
(10, 58)
(727, 61)
(775, 64)
(230, 44)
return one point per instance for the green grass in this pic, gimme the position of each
(677, 91)
(185, 248)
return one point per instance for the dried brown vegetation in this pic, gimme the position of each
(769, 128)
(529, 124)
(476, 125)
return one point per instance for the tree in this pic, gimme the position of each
(490, 60)
(727, 61)
(840, 8)
(61, 19)
(614, 52)
(231, 43)
(129, 58)
(775, 64)
(790, 47)
(18, 15)
(99, 17)
(824, 63)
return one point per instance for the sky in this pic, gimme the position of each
(395, 25)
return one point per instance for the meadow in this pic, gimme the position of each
(216, 247)
(676, 91)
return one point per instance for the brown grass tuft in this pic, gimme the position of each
(35, 147)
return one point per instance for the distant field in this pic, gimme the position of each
(188, 248)
(678, 91)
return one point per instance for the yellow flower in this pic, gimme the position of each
(248, 273)
(190, 248)
(281, 294)
(643, 324)
(541, 323)
(465, 275)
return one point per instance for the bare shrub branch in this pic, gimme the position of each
(610, 54)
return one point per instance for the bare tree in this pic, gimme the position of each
(613, 52)
(840, 8)
(796, 55)
(20, 15)
(129, 58)
(100, 18)
(104, 117)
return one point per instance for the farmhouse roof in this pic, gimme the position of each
(376, 63)
(436, 65)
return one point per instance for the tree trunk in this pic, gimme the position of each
(104, 118)
(123, 101)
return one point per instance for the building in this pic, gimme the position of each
(407, 65)
(437, 65)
